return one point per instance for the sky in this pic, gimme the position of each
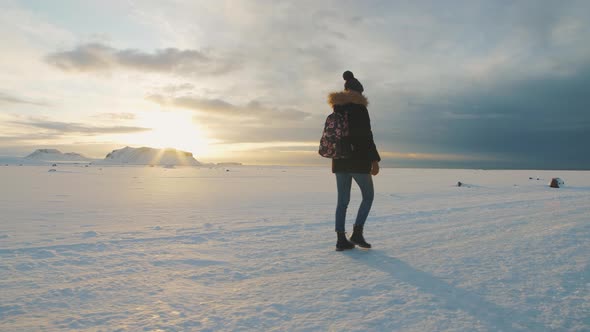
(469, 84)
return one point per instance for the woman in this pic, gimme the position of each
(363, 162)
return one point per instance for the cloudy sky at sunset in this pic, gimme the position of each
(450, 83)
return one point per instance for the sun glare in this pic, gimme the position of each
(171, 130)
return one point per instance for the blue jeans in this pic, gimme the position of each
(344, 183)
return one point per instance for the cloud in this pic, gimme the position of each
(244, 133)
(173, 88)
(541, 122)
(116, 116)
(253, 122)
(466, 78)
(28, 137)
(432, 156)
(219, 107)
(78, 128)
(10, 99)
(96, 57)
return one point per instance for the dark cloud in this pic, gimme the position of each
(219, 107)
(68, 127)
(10, 99)
(99, 57)
(534, 123)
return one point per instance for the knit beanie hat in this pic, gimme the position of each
(351, 82)
(347, 75)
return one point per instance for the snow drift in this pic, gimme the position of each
(151, 156)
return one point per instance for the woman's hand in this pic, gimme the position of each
(375, 168)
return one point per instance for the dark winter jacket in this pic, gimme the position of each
(364, 151)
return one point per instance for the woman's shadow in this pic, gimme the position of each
(496, 318)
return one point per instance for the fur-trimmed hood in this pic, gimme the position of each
(347, 97)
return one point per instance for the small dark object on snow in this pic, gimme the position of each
(54, 165)
(556, 183)
(459, 184)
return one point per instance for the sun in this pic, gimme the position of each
(171, 130)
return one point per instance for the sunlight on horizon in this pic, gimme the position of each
(175, 130)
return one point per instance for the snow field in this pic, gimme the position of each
(198, 249)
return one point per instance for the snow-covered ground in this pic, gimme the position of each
(252, 249)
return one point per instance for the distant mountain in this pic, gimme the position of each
(54, 155)
(151, 156)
